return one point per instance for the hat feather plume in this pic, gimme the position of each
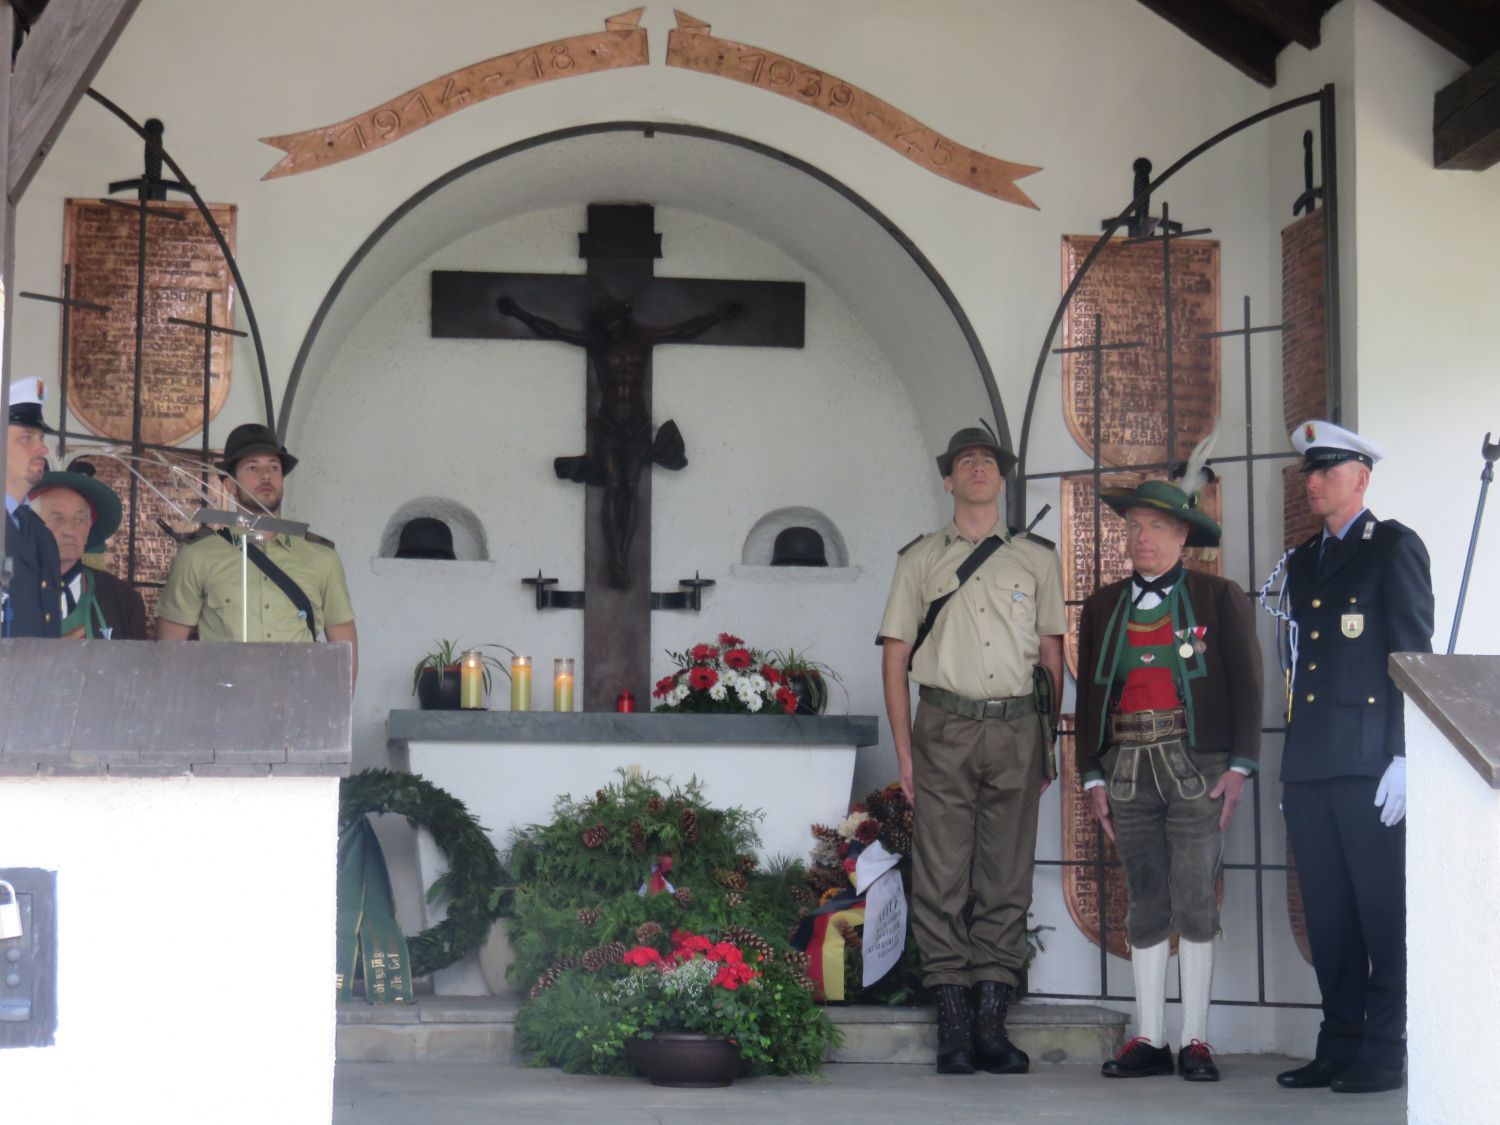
(1194, 475)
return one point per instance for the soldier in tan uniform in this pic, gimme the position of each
(977, 758)
(203, 590)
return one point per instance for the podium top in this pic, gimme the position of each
(248, 521)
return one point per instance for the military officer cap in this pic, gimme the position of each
(1324, 445)
(973, 437)
(26, 404)
(248, 440)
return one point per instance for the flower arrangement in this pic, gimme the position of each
(694, 986)
(728, 677)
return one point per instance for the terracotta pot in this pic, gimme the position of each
(433, 696)
(687, 1059)
(811, 690)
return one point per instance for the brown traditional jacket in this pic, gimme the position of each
(1227, 700)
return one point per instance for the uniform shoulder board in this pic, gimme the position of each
(1034, 537)
(314, 537)
(912, 544)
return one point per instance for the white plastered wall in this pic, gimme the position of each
(195, 957)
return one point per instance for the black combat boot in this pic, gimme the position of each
(955, 1053)
(993, 1048)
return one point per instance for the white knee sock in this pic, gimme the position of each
(1149, 966)
(1195, 961)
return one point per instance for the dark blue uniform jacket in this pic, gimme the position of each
(35, 597)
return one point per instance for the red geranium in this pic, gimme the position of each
(729, 640)
(704, 652)
(702, 678)
(664, 685)
(643, 955)
(788, 699)
(737, 658)
(772, 676)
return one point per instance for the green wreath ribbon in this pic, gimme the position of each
(475, 878)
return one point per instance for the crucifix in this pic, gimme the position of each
(617, 312)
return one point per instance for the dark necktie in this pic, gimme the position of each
(1331, 545)
(1158, 585)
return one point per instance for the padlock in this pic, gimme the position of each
(10, 912)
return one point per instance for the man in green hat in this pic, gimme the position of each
(1168, 730)
(973, 609)
(297, 586)
(82, 513)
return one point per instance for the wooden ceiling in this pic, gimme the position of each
(1249, 34)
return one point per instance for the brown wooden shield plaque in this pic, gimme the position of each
(1124, 288)
(1080, 842)
(183, 263)
(1077, 550)
(1296, 915)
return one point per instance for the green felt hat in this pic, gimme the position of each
(102, 499)
(1164, 496)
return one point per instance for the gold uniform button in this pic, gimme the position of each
(1313, 635)
(46, 617)
(1313, 667)
(1353, 601)
(1370, 700)
(1317, 603)
(1311, 697)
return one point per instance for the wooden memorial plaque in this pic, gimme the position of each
(1124, 287)
(1077, 551)
(1081, 839)
(1296, 915)
(182, 263)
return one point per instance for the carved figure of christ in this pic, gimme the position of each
(617, 312)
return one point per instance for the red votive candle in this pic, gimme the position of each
(625, 701)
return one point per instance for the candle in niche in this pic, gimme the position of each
(471, 682)
(562, 684)
(520, 683)
(625, 702)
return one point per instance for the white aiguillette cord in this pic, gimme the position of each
(1288, 657)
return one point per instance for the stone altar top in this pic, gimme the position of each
(100, 708)
(1461, 695)
(642, 726)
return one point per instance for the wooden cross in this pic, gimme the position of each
(618, 311)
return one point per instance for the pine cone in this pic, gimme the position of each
(734, 880)
(549, 978)
(878, 805)
(681, 804)
(587, 915)
(733, 899)
(908, 817)
(748, 939)
(748, 863)
(851, 936)
(648, 931)
(800, 894)
(613, 953)
(653, 804)
(684, 896)
(595, 835)
(637, 837)
(796, 957)
(594, 960)
(687, 824)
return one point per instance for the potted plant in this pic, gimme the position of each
(435, 679)
(807, 679)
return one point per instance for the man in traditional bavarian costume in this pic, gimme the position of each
(987, 602)
(82, 513)
(297, 586)
(1169, 717)
(1355, 592)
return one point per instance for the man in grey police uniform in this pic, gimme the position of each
(1359, 590)
(976, 760)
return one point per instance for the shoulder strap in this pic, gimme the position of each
(963, 574)
(294, 593)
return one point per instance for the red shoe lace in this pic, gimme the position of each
(1198, 1049)
(1139, 1043)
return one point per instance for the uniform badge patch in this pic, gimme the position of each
(1352, 624)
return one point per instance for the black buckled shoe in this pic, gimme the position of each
(993, 1049)
(1138, 1059)
(1315, 1075)
(1362, 1079)
(955, 1053)
(1195, 1063)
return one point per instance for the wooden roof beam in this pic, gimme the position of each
(1469, 30)
(1241, 42)
(1297, 21)
(1466, 120)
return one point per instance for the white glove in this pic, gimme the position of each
(1390, 795)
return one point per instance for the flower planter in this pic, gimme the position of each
(686, 1059)
(439, 696)
(811, 690)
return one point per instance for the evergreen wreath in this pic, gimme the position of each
(474, 870)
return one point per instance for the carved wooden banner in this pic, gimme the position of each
(1081, 836)
(692, 47)
(621, 44)
(1124, 286)
(183, 262)
(1078, 546)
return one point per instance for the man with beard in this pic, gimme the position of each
(296, 584)
(82, 513)
(31, 605)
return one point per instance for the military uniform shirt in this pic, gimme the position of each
(203, 589)
(985, 641)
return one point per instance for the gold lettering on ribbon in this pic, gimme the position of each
(621, 44)
(692, 47)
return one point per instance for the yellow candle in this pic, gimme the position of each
(471, 683)
(562, 684)
(520, 683)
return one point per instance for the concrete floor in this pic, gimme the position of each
(487, 1094)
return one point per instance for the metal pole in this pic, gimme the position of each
(1490, 453)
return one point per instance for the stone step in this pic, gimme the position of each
(482, 1029)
